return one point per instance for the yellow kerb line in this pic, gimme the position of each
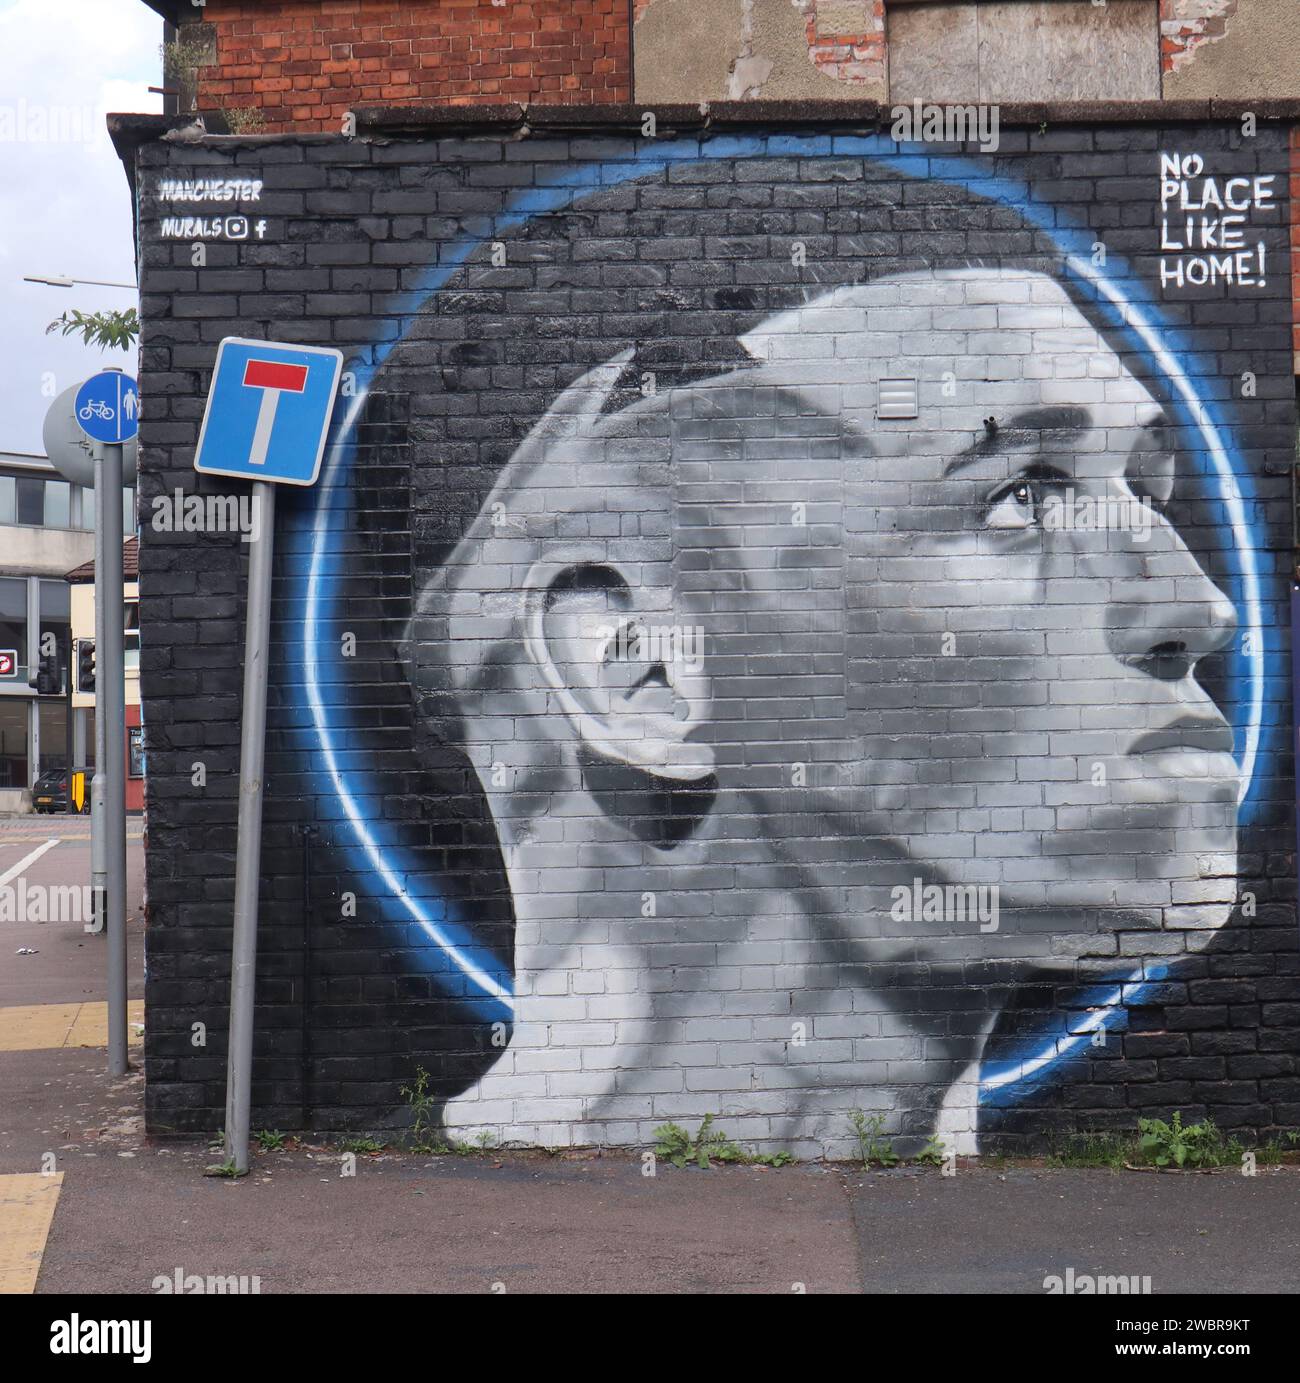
(47, 1027)
(27, 1203)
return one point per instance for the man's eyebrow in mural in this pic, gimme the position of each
(1033, 427)
(1143, 452)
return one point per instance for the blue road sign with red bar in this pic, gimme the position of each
(268, 411)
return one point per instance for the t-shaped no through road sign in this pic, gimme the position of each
(273, 379)
(268, 411)
(267, 418)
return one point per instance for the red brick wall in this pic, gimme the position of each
(1186, 24)
(304, 63)
(856, 56)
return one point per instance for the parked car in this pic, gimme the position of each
(50, 792)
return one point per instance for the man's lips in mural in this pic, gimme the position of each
(1189, 747)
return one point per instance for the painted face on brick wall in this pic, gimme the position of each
(1024, 622)
(958, 647)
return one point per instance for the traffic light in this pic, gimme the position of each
(49, 676)
(85, 665)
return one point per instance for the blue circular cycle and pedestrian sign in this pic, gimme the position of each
(108, 407)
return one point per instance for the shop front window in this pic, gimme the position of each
(54, 735)
(13, 743)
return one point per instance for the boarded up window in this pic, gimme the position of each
(1023, 50)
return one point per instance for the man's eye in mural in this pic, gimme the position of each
(1020, 502)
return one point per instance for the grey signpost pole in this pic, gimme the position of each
(110, 675)
(101, 416)
(98, 796)
(252, 755)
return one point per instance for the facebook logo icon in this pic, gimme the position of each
(268, 411)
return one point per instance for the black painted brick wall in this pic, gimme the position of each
(677, 263)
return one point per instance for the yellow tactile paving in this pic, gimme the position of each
(44, 1027)
(91, 1026)
(27, 1202)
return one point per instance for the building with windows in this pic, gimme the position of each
(81, 583)
(46, 529)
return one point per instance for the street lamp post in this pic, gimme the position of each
(67, 281)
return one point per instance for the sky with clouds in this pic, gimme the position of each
(65, 207)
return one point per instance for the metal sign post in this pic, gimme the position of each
(77, 458)
(107, 411)
(110, 703)
(267, 417)
(98, 786)
(248, 860)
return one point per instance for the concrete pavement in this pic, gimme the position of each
(113, 1212)
(52, 988)
(131, 1212)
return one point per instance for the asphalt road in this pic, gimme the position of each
(69, 964)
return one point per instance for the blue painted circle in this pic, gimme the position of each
(108, 407)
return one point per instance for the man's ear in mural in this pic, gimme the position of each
(629, 679)
(441, 600)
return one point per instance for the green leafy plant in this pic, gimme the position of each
(362, 1145)
(1094, 1150)
(107, 330)
(776, 1159)
(934, 1153)
(424, 1133)
(871, 1146)
(269, 1140)
(1192, 1145)
(709, 1145)
(425, 1136)
(243, 119)
(183, 56)
(224, 1169)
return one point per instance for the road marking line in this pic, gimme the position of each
(27, 1203)
(22, 864)
(48, 1027)
(65, 838)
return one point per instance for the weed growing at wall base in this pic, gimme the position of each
(871, 1146)
(1174, 1144)
(707, 1146)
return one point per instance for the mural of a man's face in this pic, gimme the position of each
(1023, 623)
(788, 702)
(958, 645)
